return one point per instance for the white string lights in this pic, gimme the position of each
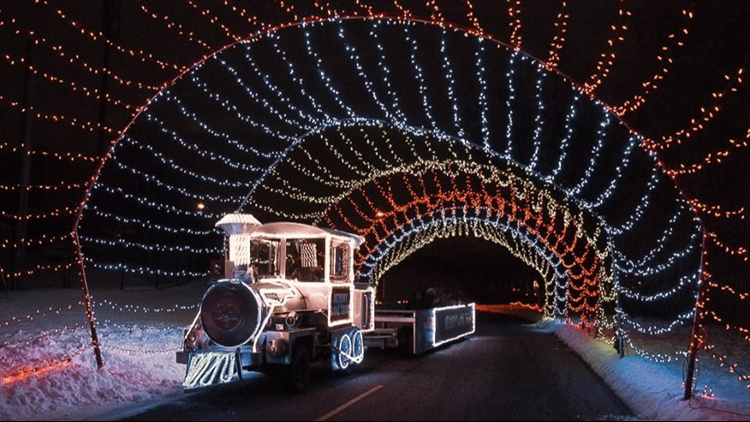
(327, 135)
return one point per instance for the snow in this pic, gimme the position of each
(138, 347)
(62, 390)
(654, 391)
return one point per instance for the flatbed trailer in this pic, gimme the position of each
(418, 330)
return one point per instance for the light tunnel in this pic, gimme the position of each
(403, 131)
(450, 189)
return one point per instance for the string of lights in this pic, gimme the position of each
(35, 339)
(509, 103)
(62, 186)
(151, 248)
(715, 157)
(665, 61)
(595, 154)
(717, 211)
(569, 131)
(170, 163)
(214, 20)
(57, 80)
(558, 42)
(97, 36)
(284, 117)
(167, 208)
(707, 114)
(41, 367)
(171, 188)
(39, 313)
(72, 157)
(120, 267)
(177, 28)
(285, 125)
(76, 59)
(57, 118)
(41, 268)
(42, 241)
(539, 119)
(607, 58)
(514, 12)
(137, 309)
(321, 73)
(60, 212)
(251, 18)
(149, 225)
(740, 252)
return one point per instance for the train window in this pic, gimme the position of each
(264, 258)
(305, 259)
(340, 262)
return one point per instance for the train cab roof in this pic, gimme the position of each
(302, 231)
(246, 224)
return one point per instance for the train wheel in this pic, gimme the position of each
(345, 350)
(358, 347)
(298, 374)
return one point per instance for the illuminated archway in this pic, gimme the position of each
(224, 129)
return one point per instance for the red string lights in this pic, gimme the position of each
(539, 219)
(675, 41)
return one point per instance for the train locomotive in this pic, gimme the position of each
(287, 299)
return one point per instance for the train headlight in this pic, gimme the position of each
(190, 341)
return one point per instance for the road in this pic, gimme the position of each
(507, 371)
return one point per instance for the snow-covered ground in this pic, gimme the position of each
(141, 329)
(655, 391)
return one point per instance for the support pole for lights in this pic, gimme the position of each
(695, 344)
(87, 300)
(620, 330)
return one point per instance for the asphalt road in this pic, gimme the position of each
(507, 371)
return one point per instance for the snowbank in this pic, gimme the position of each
(139, 332)
(654, 391)
(74, 386)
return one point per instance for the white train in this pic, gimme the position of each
(289, 299)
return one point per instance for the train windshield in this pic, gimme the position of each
(264, 257)
(305, 259)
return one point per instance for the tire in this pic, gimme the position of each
(345, 346)
(298, 373)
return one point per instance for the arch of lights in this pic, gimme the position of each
(224, 133)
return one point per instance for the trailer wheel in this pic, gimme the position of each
(298, 373)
